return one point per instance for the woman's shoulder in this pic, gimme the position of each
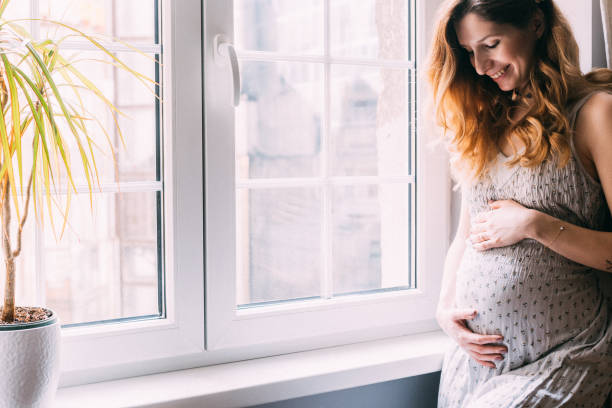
(598, 102)
(595, 112)
(593, 129)
(591, 103)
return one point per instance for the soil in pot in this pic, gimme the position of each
(28, 315)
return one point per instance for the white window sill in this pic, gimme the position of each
(269, 379)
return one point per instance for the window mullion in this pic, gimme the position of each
(327, 230)
(412, 103)
(321, 181)
(285, 57)
(34, 24)
(79, 45)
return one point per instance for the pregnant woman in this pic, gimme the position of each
(530, 139)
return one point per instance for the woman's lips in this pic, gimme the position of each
(503, 75)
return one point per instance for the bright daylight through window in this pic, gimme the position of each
(272, 203)
(324, 148)
(108, 264)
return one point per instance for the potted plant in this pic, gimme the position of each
(38, 121)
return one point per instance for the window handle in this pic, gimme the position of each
(224, 50)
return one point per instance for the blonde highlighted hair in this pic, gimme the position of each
(474, 113)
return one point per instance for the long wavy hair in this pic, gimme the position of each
(474, 113)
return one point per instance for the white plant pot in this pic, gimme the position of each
(29, 363)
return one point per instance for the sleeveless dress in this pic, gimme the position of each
(551, 311)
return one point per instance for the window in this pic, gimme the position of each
(311, 215)
(108, 265)
(123, 288)
(321, 205)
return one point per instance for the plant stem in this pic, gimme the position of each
(8, 310)
(17, 251)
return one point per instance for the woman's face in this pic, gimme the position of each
(501, 51)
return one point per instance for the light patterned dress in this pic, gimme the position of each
(555, 319)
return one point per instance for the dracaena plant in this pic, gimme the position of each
(41, 109)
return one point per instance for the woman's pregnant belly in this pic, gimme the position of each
(534, 306)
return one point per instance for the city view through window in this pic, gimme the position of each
(323, 148)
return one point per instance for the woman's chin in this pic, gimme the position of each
(505, 87)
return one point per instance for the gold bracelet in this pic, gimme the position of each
(561, 229)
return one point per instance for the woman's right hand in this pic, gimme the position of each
(478, 346)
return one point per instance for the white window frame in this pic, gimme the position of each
(107, 351)
(199, 272)
(330, 321)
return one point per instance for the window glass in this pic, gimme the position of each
(370, 29)
(280, 244)
(369, 121)
(108, 263)
(292, 26)
(279, 120)
(323, 149)
(132, 21)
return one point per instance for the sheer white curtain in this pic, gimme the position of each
(606, 15)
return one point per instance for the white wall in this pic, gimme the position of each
(585, 18)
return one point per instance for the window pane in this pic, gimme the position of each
(130, 20)
(105, 267)
(371, 237)
(108, 263)
(370, 121)
(137, 160)
(369, 29)
(278, 122)
(294, 114)
(18, 9)
(292, 26)
(135, 20)
(279, 244)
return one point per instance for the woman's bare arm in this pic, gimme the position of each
(588, 247)
(509, 222)
(451, 319)
(454, 256)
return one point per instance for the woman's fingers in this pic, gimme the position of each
(473, 338)
(483, 246)
(478, 228)
(494, 205)
(488, 350)
(478, 237)
(463, 314)
(480, 347)
(484, 363)
(486, 357)
(480, 217)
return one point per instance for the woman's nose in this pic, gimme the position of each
(481, 63)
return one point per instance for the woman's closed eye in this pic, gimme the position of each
(470, 53)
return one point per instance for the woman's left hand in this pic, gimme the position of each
(505, 224)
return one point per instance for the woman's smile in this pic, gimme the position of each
(502, 52)
(501, 73)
